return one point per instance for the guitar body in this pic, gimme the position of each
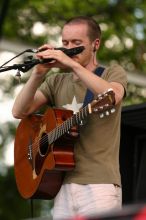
(43, 149)
(40, 166)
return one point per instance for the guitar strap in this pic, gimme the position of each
(89, 95)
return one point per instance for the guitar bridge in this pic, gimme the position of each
(30, 154)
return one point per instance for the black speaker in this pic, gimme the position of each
(140, 166)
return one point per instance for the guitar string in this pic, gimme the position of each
(86, 112)
(52, 133)
(58, 128)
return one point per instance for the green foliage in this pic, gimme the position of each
(13, 206)
(123, 19)
(11, 203)
(135, 95)
(123, 24)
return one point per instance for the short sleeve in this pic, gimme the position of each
(116, 73)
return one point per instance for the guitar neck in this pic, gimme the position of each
(68, 124)
(104, 101)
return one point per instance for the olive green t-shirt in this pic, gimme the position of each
(97, 150)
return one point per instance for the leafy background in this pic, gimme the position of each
(35, 22)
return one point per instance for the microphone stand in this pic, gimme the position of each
(20, 67)
(27, 65)
(24, 67)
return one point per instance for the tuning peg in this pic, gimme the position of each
(110, 89)
(101, 108)
(112, 110)
(29, 156)
(101, 115)
(107, 113)
(100, 96)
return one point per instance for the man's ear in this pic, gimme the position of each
(96, 45)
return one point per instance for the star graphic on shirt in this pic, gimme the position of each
(74, 106)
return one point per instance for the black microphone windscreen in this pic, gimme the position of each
(70, 52)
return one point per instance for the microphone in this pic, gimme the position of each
(70, 52)
(28, 64)
(32, 62)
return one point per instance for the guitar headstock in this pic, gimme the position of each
(104, 103)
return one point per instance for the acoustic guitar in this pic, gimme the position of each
(44, 151)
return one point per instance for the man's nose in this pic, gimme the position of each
(70, 45)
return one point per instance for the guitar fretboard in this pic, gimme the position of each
(103, 102)
(67, 125)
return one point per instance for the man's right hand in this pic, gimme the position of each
(42, 69)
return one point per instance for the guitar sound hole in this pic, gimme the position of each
(44, 144)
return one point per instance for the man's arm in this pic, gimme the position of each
(29, 99)
(93, 82)
(97, 84)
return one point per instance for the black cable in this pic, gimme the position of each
(28, 50)
(27, 65)
(32, 207)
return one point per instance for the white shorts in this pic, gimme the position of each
(86, 200)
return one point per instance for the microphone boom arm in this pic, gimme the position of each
(27, 65)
